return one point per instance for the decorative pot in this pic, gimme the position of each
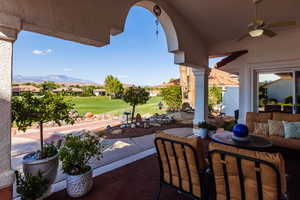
(203, 133)
(79, 185)
(47, 166)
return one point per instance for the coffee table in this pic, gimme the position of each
(254, 143)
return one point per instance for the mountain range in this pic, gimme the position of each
(52, 78)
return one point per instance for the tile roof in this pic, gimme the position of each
(221, 78)
(25, 88)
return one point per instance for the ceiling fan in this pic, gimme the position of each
(259, 27)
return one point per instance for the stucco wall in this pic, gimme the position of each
(280, 89)
(230, 100)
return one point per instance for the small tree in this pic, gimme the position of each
(28, 109)
(114, 88)
(214, 97)
(172, 96)
(135, 96)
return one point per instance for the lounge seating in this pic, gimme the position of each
(243, 174)
(279, 141)
(182, 164)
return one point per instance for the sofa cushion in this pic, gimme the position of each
(253, 117)
(261, 129)
(291, 129)
(286, 117)
(183, 171)
(249, 172)
(276, 128)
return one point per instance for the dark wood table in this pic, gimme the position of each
(254, 143)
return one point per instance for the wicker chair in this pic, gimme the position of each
(182, 165)
(246, 175)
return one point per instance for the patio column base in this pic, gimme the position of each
(6, 184)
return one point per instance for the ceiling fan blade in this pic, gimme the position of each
(282, 24)
(269, 33)
(243, 37)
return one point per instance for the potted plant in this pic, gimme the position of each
(28, 109)
(75, 155)
(31, 187)
(204, 128)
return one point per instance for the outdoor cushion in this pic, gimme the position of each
(268, 176)
(276, 128)
(286, 117)
(253, 117)
(291, 129)
(196, 144)
(261, 129)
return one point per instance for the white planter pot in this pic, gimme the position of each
(47, 166)
(203, 133)
(78, 186)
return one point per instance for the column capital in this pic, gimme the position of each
(199, 71)
(9, 27)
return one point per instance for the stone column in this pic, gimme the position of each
(201, 96)
(8, 35)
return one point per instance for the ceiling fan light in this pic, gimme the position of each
(256, 32)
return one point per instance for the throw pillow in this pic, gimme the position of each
(291, 129)
(261, 129)
(276, 128)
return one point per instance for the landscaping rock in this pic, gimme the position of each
(88, 115)
(155, 124)
(138, 118)
(116, 131)
(182, 117)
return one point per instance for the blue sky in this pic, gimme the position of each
(135, 56)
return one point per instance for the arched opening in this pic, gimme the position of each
(144, 59)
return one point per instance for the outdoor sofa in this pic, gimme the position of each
(253, 118)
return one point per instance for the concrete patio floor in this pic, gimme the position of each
(140, 181)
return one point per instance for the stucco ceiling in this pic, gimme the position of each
(219, 21)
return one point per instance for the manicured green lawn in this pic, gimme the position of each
(98, 105)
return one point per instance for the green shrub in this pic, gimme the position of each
(172, 96)
(228, 125)
(272, 101)
(31, 187)
(77, 151)
(214, 97)
(207, 126)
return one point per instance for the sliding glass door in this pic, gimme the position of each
(278, 91)
(297, 92)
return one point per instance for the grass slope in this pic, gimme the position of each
(98, 105)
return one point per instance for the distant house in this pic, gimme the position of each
(19, 89)
(99, 92)
(154, 92)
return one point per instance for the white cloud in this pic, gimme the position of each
(42, 52)
(68, 69)
(123, 76)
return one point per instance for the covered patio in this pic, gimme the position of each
(195, 31)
